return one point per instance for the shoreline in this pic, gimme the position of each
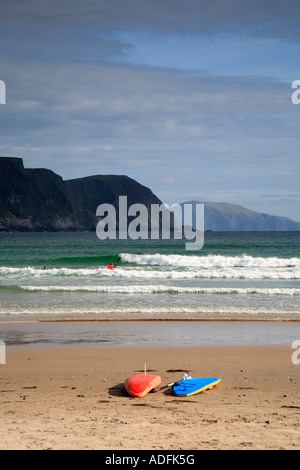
(74, 398)
(87, 320)
(143, 334)
(154, 333)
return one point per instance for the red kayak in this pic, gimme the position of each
(140, 385)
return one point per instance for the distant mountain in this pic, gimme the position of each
(231, 217)
(40, 200)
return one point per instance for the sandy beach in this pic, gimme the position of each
(74, 398)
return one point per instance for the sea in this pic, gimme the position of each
(64, 276)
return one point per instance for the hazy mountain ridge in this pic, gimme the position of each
(221, 216)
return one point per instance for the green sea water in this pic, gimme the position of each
(236, 275)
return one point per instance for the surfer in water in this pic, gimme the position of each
(112, 266)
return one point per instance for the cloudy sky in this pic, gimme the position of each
(191, 98)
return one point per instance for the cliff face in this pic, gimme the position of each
(39, 199)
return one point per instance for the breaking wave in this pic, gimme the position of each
(180, 267)
(210, 261)
(155, 289)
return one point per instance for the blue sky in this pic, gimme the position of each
(191, 98)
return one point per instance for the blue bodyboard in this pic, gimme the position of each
(186, 388)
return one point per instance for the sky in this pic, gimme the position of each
(191, 98)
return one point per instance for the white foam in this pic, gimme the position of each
(200, 311)
(152, 289)
(209, 261)
(157, 266)
(215, 266)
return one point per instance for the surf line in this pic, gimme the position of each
(188, 221)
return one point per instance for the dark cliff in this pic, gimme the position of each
(40, 200)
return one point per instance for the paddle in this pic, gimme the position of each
(185, 377)
(163, 387)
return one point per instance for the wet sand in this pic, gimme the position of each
(74, 398)
(148, 333)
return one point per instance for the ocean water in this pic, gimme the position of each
(236, 275)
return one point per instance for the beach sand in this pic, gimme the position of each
(73, 398)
